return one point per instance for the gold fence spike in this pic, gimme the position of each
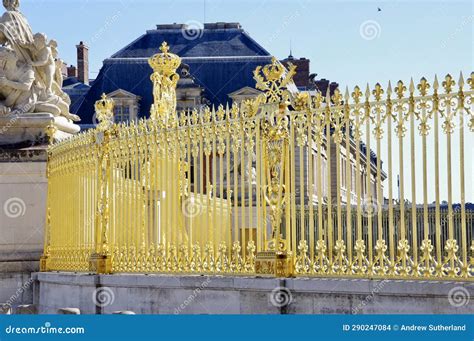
(412, 86)
(461, 80)
(436, 83)
(367, 92)
(389, 89)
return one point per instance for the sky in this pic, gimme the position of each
(410, 38)
(349, 42)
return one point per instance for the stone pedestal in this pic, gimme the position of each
(23, 195)
(18, 131)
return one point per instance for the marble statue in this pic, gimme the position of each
(30, 74)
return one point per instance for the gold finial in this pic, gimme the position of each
(411, 87)
(461, 80)
(400, 89)
(337, 97)
(423, 87)
(448, 83)
(50, 132)
(378, 92)
(165, 63)
(470, 81)
(164, 48)
(346, 95)
(104, 111)
(357, 94)
(274, 81)
(389, 89)
(436, 84)
(367, 92)
(165, 79)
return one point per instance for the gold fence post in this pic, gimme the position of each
(50, 132)
(277, 260)
(101, 261)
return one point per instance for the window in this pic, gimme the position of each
(353, 179)
(121, 113)
(343, 173)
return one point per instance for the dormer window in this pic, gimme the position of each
(126, 105)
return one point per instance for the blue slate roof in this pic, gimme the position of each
(221, 60)
(76, 91)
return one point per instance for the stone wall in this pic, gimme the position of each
(161, 294)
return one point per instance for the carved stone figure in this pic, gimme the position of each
(30, 78)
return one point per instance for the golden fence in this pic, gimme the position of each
(363, 184)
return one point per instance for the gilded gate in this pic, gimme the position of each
(287, 183)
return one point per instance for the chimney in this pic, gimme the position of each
(72, 71)
(301, 78)
(83, 63)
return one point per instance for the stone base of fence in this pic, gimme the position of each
(162, 294)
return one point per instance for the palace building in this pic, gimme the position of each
(217, 69)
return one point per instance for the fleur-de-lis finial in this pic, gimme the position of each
(337, 97)
(378, 92)
(423, 86)
(470, 81)
(400, 89)
(448, 83)
(357, 94)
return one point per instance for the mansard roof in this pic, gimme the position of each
(221, 59)
(214, 40)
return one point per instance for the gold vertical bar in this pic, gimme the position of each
(302, 191)
(251, 145)
(292, 186)
(437, 189)
(413, 174)
(243, 206)
(461, 110)
(329, 184)
(368, 161)
(310, 189)
(378, 136)
(391, 230)
(347, 125)
(260, 234)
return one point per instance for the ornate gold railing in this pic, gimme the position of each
(363, 184)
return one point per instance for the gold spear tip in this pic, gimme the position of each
(436, 83)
